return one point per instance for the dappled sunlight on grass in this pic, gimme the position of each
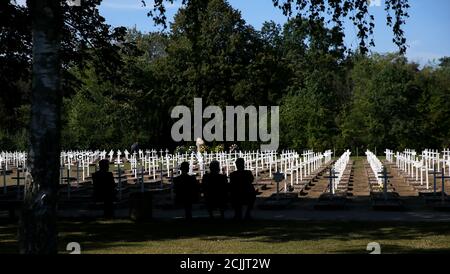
(204, 236)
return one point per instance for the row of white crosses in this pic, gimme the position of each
(291, 164)
(446, 161)
(431, 159)
(152, 160)
(407, 161)
(298, 167)
(255, 161)
(288, 162)
(339, 167)
(432, 162)
(428, 163)
(12, 159)
(141, 162)
(389, 155)
(327, 156)
(375, 165)
(156, 163)
(410, 164)
(80, 161)
(9, 160)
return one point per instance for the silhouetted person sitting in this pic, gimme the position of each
(242, 191)
(186, 189)
(105, 188)
(215, 189)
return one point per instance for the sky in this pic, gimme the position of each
(427, 29)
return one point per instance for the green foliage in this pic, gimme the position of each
(385, 108)
(322, 11)
(120, 86)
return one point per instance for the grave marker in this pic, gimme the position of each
(111, 156)
(435, 172)
(443, 177)
(5, 189)
(278, 177)
(119, 182)
(385, 176)
(332, 176)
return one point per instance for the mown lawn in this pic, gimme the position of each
(204, 236)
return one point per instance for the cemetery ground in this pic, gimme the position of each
(258, 236)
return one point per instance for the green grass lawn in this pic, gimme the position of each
(203, 236)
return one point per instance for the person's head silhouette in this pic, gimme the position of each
(104, 165)
(214, 167)
(184, 167)
(240, 164)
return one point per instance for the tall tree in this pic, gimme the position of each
(386, 103)
(85, 39)
(315, 56)
(61, 36)
(326, 11)
(38, 221)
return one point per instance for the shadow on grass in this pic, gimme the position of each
(98, 235)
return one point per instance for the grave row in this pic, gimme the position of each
(8, 160)
(298, 171)
(149, 165)
(338, 171)
(383, 193)
(419, 167)
(375, 165)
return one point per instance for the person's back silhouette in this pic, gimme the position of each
(104, 188)
(242, 191)
(186, 189)
(215, 189)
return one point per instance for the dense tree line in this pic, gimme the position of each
(120, 86)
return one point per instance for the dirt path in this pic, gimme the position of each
(399, 184)
(414, 181)
(317, 187)
(360, 180)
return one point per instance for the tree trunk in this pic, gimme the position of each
(37, 229)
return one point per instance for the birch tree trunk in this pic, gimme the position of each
(37, 229)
